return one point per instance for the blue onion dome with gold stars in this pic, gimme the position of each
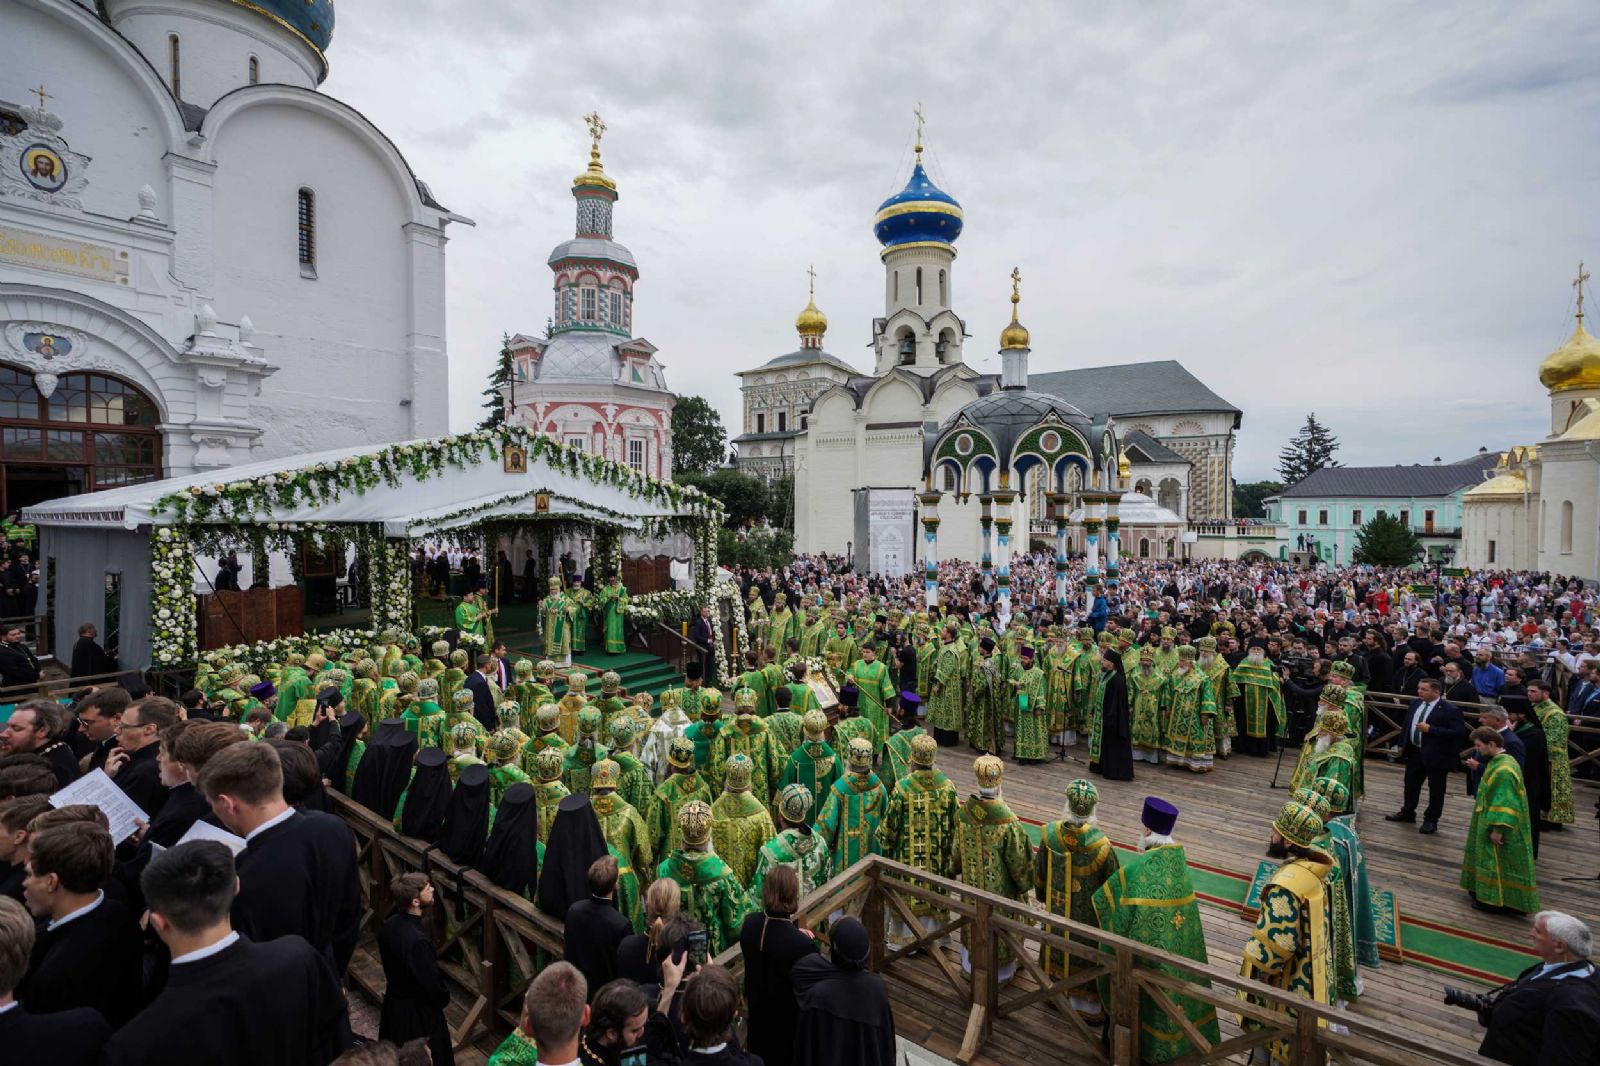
(921, 213)
(309, 19)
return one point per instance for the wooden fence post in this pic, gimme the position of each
(872, 910)
(1124, 1011)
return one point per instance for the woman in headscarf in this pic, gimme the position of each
(1111, 744)
(466, 822)
(573, 843)
(423, 805)
(511, 856)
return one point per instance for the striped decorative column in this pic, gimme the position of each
(986, 526)
(930, 543)
(1002, 526)
(1059, 502)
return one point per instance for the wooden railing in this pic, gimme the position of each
(490, 944)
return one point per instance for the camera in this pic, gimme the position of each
(1455, 997)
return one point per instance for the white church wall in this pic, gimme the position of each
(349, 323)
(215, 43)
(1570, 546)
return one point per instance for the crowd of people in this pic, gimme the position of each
(667, 831)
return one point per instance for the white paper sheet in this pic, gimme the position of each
(207, 831)
(98, 790)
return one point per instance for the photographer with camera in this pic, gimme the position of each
(1550, 1015)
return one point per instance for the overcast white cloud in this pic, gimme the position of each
(1370, 210)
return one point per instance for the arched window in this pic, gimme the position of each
(92, 432)
(255, 71)
(944, 293)
(949, 478)
(1144, 547)
(175, 55)
(897, 284)
(919, 286)
(1566, 527)
(308, 232)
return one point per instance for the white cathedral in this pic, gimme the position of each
(853, 442)
(203, 259)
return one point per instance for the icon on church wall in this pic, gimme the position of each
(514, 460)
(46, 345)
(43, 168)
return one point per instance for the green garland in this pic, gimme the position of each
(389, 584)
(172, 624)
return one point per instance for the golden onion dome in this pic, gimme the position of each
(811, 322)
(1015, 335)
(1574, 365)
(595, 175)
(1124, 466)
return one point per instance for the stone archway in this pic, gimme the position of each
(1169, 494)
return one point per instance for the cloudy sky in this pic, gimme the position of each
(1369, 210)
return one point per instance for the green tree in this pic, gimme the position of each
(1247, 497)
(699, 443)
(763, 546)
(1308, 451)
(1385, 542)
(745, 498)
(494, 400)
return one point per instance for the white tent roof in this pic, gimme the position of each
(417, 507)
(1137, 509)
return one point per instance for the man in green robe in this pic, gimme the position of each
(1256, 681)
(464, 720)
(849, 725)
(813, 764)
(587, 750)
(1058, 662)
(681, 786)
(1150, 898)
(796, 846)
(582, 604)
(784, 729)
(556, 614)
(992, 850)
(897, 752)
(611, 702)
(755, 681)
(756, 620)
(740, 824)
(773, 674)
(747, 735)
(854, 807)
(783, 622)
(670, 725)
(1497, 868)
(1217, 671)
(841, 647)
(919, 829)
(1033, 711)
(711, 894)
(1085, 679)
(626, 836)
(635, 785)
(613, 607)
(473, 617)
(501, 754)
(1344, 844)
(1326, 754)
(801, 697)
(1190, 736)
(871, 677)
(991, 689)
(1166, 652)
(1557, 730)
(1074, 859)
(425, 719)
(1148, 691)
(548, 791)
(703, 734)
(1292, 946)
(1344, 972)
(946, 690)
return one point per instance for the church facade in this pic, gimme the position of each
(591, 383)
(846, 436)
(1538, 508)
(203, 259)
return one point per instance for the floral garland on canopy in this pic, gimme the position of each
(389, 584)
(670, 606)
(172, 629)
(727, 592)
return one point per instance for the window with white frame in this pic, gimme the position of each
(578, 442)
(636, 454)
(587, 306)
(1355, 516)
(616, 309)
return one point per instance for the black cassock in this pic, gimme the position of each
(140, 780)
(94, 960)
(573, 843)
(415, 994)
(844, 1016)
(772, 944)
(1535, 773)
(185, 806)
(333, 743)
(89, 659)
(66, 1038)
(1116, 739)
(298, 878)
(385, 768)
(466, 820)
(427, 796)
(509, 856)
(249, 1004)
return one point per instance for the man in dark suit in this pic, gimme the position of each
(99, 717)
(1434, 732)
(595, 927)
(89, 951)
(415, 992)
(134, 766)
(89, 659)
(66, 1038)
(477, 683)
(700, 633)
(1551, 1012)
(227, 999)
(297, 873)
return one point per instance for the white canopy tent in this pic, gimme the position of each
(416, 489)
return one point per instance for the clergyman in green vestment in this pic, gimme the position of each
(1074, 859)
(1497, 867)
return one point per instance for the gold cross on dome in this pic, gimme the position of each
(597, 128)
(917, 111)
(42, 95)
(1583, 276)
(811, 272)
(1016, 284)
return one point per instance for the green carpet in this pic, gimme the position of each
(1423, 942)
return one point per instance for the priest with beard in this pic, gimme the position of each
(844, 1013)
(227, 999)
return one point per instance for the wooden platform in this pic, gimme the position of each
(1225, 820)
